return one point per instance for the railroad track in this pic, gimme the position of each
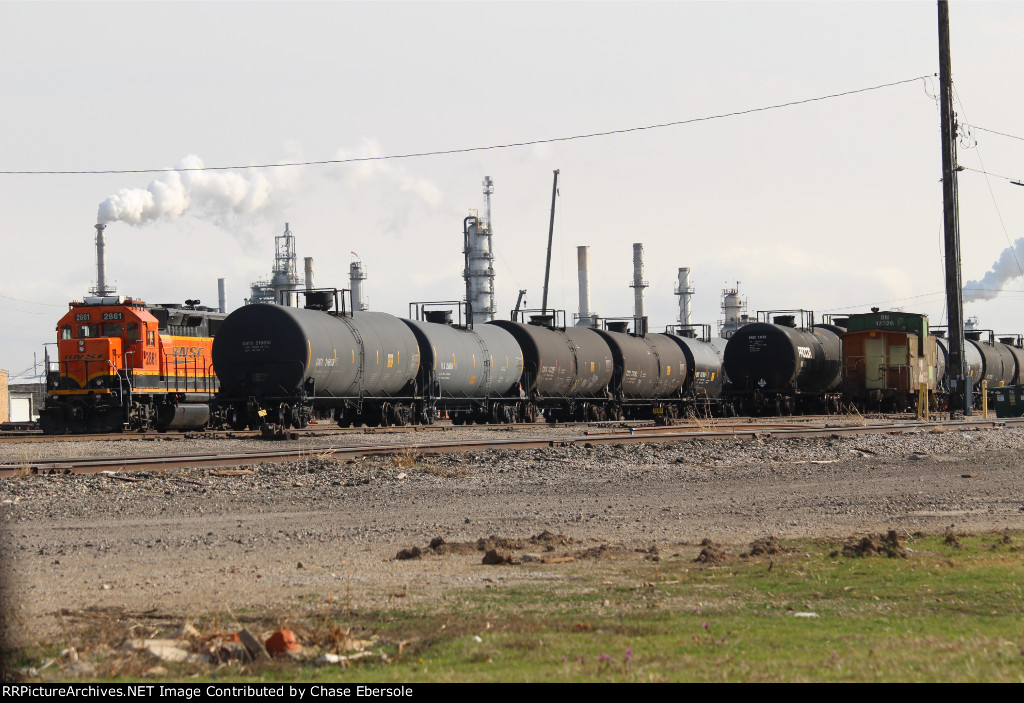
(442, 426)
(95, 465)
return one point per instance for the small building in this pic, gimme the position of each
(26, 399)
(5, 406)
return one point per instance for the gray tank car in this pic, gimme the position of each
(276, 362)
(472, 375)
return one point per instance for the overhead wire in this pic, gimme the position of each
(992, 194)
(465, 150)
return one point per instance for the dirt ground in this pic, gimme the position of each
(273, 538)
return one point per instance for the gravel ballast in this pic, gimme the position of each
(269, 537)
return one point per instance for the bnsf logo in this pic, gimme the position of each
(187, 351)
(82, 357)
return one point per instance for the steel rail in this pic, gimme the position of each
(95, 465)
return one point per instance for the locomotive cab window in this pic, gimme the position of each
(150, 338)
(112, 329)
(86, 331)
(65, 332)
(133, 331)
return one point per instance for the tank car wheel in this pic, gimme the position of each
(457, 418)
(385, 414)
(237, 420)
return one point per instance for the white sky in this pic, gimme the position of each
(833, 205)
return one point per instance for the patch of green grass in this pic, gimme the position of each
(943, 613)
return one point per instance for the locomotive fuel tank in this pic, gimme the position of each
(477, 363)
(777, 358)
(275, 351)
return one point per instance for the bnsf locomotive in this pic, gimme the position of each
(124, 365)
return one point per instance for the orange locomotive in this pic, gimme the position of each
(124, 365)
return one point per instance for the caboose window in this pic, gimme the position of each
(133, 331)
(65, 332)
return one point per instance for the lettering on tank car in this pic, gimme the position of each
(757, 343)
(391, 360)
(321, 361)
(255, 345)
(472, 380)
(445, 365)
(804, 352)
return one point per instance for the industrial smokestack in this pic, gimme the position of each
(478, 249)
(583, 261)
(309, 272)
(222, 299)
(639, 283)
(684, 290)
(355, 284)
(101, 278)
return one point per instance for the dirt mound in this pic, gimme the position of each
(602, 551)
(494, 556)
(411, 553)
(1004, 541)
(887, 545)
(765, 547)
(439, 546)
(711, 553)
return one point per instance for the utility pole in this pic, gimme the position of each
(551, 234)
(960, 390)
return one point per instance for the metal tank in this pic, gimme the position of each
(645, 367)
(705, 376)
(777, 358)
(461, 363)
(998, 363)
(972, 355)
(561, 363)
(278, 353)
(1013, 346)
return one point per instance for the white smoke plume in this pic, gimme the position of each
(221, 197)
(381, 180)
(1007, 267)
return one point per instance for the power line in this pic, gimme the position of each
(992, 131)
(466, 150)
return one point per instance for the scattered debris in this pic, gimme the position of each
(283, 642)
(253, 645)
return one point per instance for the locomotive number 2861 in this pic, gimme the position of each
(113, 316)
